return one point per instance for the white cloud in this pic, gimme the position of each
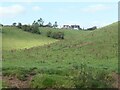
(13, 10)
(95, 8)
(37, 8)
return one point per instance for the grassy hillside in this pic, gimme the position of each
(56, 64)
(14, 38)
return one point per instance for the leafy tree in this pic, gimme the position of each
(26, 28)
(35, 28)
(19, 25)
(49, 24)
(55, 24)
(40, 22)
(34, 23)
(14, 24)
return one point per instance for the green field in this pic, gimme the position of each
(56, 63)
(14, 38)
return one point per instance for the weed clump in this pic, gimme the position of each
(90, 78)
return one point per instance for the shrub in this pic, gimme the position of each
(25, 27)
(33, 28)
(55, 35)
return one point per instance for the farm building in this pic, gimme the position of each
(76, 27)
(66, 26)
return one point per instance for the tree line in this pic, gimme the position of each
(34, 28)
(40, 23)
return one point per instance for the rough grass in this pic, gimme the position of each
(97, 49)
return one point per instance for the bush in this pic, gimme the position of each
(32, 29)
(35, 29)
(26, 27)
(55, 35)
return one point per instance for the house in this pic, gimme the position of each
(76, 27)
(92, 28)
(66, 26)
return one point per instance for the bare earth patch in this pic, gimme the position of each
(14, 82)
(116, 77)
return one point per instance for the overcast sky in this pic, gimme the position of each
(85, 14)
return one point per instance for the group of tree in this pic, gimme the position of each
(14, 24)
(40, 22)
(19, 25)
(34, 28)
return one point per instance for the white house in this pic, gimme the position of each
(75, 27)
(66, 26)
